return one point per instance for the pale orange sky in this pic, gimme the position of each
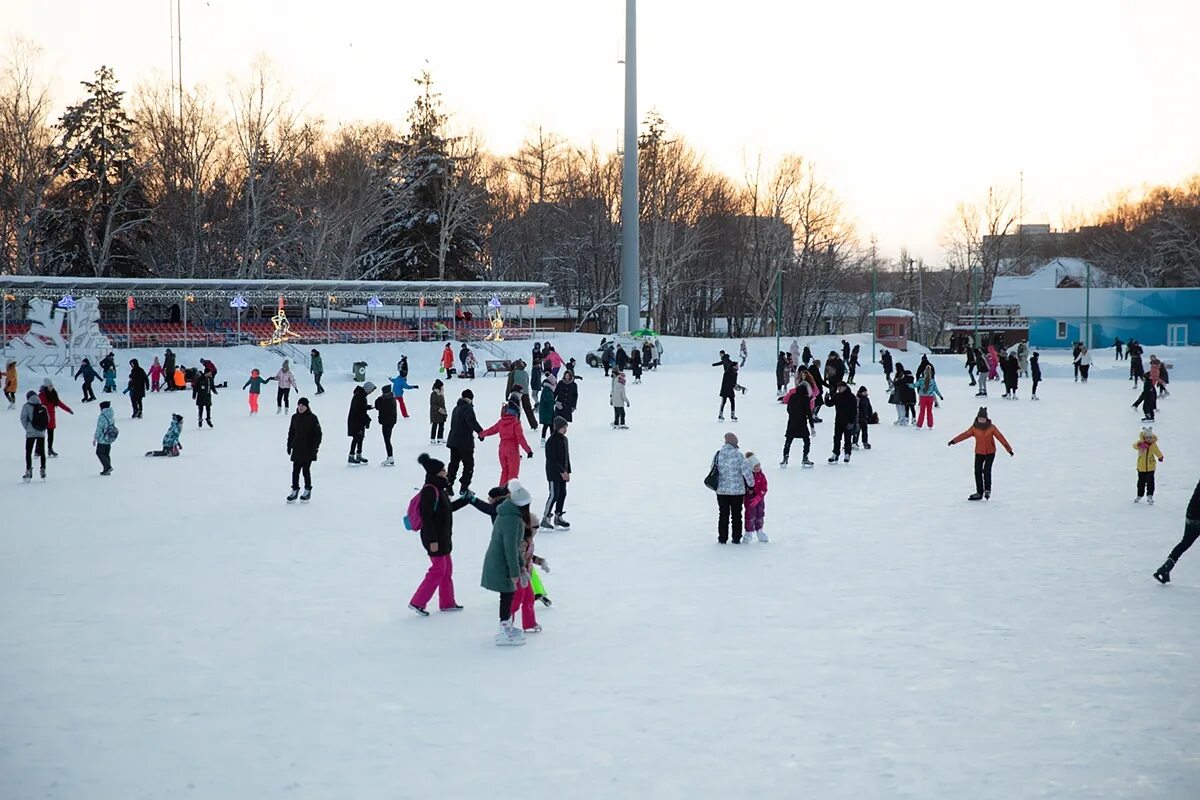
(906, 107)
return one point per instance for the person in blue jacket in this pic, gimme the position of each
(399, 384)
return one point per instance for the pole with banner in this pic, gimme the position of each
(128, 310)
(374, 304)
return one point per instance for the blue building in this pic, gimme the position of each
(1057, 305)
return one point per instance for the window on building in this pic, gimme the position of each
(887, 329)
(1061, 333)
(900, 329)
(829, 329)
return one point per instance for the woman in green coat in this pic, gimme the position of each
(502, 563)
(546, 409)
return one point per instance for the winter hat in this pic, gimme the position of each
(104, 404)
(437, 383)
(515, 398)
(368, 387)
(862, 390)
(387, 388)
(982, 413)
(303, 401)
(49, 384)
(432, 465)
(518, 494)
(753, 461)
(467, 393)
(559, 423)
(731, 438)
(31, 394)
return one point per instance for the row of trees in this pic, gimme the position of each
(152, 183)
(191, 186)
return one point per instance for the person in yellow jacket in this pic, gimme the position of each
(1147, 453)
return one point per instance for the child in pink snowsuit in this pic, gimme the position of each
(523, 597)
(156, 373)
(993, 361)
(756, 505)
(512, 439)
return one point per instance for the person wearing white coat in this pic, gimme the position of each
(619, 400)
(1084, 360)
(287, 381)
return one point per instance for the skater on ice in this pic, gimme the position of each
(619, 399)
(139, 384)
(1149, 455)
(34, 419)
(255, 383)
(156, 374)
(48, 395)
(985, 435)
(10, 382)
(285, 381)
(866, 416)
(303, 442)
(464, 427)
(512, 438)
(385, 414)
(1148, 400)
(399, 384)
(1035, 374)
(928, 393)
(316, 366)
(358, 419)
(566, 396)
(558, 475)
(437, 413)
(89, 374)
(845, 407)
(502, 563)
(733, 478)
(1191, 531)
(104, 436)
(756, 502)
(203, 390)
(171, 446)
(433, 510)
(799, 421)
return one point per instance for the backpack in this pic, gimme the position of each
(412, 519)
(40, 419)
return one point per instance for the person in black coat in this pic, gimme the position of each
(971, 364)
(728, 387)
(139, 384)
(865, 414)
(169, 369)
(781, 373)
(806, 355)
(303, 442)
(437, 529)
(558, 474)
(852, 364)
(202, 392)
(925, 363)
(1148, 400)
(622, 358)
(906, 393)
(464, 427)
(1191, 532)
(1035, 372)
(635, 365)
(845, 351)
(1137, 369)
(800, 422)
(89, 374)
(1010, 367)
(886, 360)
(566, 396)
(357, 421)
(385, 413)
(845, 408)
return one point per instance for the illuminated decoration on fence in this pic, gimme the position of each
(67, 302)
(496, 334)
(532, 301)
(421, 302)
(47, 347)
(191, 298)
(374, 302)
(238, 302)
(129, 303)
(283, 328)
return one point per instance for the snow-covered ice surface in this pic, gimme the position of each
(176, 630)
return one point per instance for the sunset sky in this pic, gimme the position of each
(907, 108)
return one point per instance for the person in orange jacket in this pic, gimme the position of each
(985, 435)
(1148, 457)
(512, 439)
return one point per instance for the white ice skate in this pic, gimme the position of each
(509, 635)
(388, 462)
(762, 536)
(1150, 500)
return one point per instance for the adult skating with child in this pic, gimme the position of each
(733, 477)
(845, 406)
(52, 403)
(503, 561)
(303, 442)
(34, 419)
(985, 435)
(1191, 531)
(1149, 455)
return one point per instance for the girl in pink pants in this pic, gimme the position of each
(436, 525)
(523, 598)
(927, 388)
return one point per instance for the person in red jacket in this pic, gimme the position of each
(50, 399)
(156, 374)
(448, 361)
(985, 435)
(512, 439)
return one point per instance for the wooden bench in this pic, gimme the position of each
(495, 366)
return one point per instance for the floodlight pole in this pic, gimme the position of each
(631, 287)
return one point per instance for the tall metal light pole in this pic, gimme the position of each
(1087, 309)
(631, 284)
(778, 306)
(874, 309)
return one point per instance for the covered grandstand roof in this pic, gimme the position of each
(21, 287)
